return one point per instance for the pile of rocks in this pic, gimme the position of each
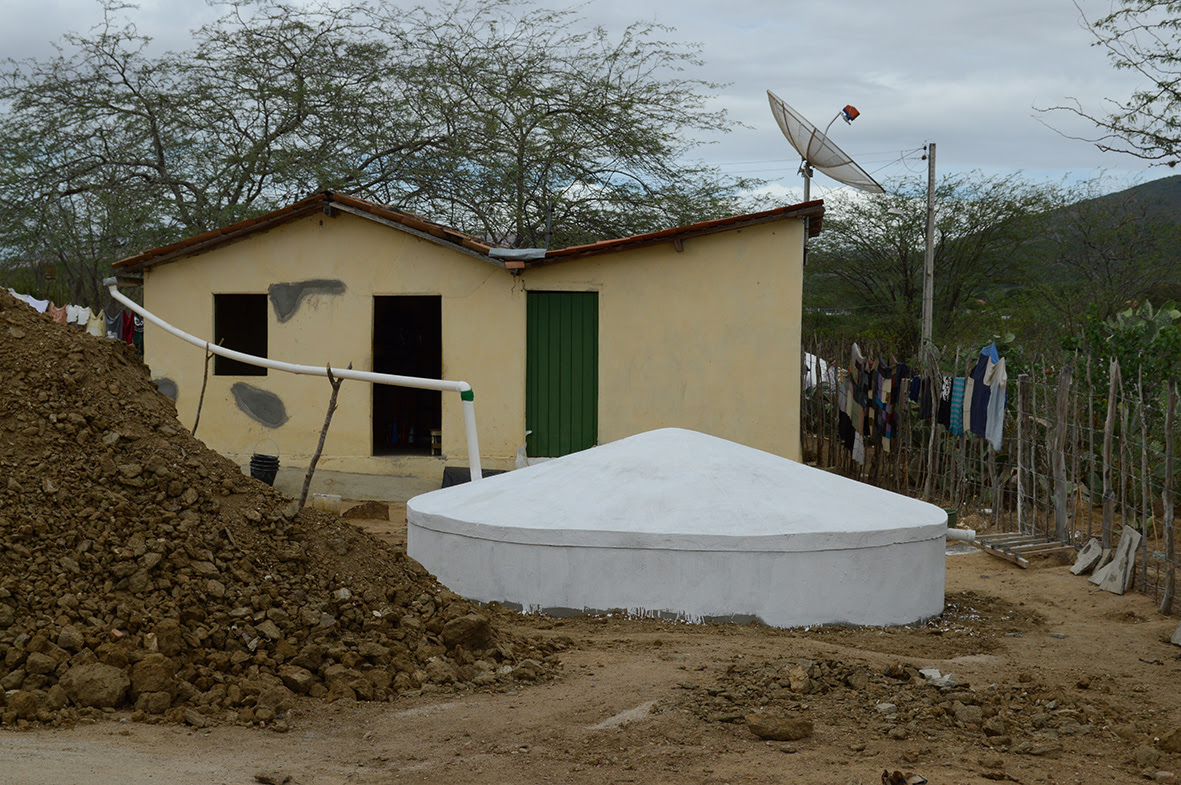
(141, 571)
(896, 702)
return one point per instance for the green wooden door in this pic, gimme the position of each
(561, 372)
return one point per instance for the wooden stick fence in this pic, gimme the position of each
(1042, 481)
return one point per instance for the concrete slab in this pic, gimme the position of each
(1101, 566)
(1088, 557)
(1117, 577)
(358, 487)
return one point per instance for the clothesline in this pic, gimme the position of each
(118, 325)
(869, 392)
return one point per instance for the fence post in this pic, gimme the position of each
(1145, 494)
(1022, 427)
(1059, 454)
(1108, 433)
(1166, 605)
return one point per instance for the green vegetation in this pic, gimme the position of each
(1040, 262)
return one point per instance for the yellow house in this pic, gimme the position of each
(695, 327)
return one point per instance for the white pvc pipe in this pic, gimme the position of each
(463, 388)
(966, 535)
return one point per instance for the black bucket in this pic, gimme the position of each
(264, 467)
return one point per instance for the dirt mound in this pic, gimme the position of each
(140, 570)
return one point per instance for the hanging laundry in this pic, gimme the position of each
(57, 313)
(138, 337)
(81, 317)
(943, 416)
(40, 306)
(96, 324)
(898, 380)
(114, 321)
(128, 326)
(859, 448)
(998, 379)
(978, 408)
(956, 423)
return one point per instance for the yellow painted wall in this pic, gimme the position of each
(708, 338)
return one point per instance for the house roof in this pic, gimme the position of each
(330, 201)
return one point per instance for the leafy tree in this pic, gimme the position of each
(1144, 37)
(1140, 338)
(869, 260)
(488, 116)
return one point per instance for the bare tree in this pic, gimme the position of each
(1144, 37)
(490, 116)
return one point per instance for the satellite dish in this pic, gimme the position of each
(818, 151)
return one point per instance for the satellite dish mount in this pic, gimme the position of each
(817, 151)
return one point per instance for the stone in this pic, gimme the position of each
(56, 698)
(277, 698)
(297, 679)
(440, 671)
(153, 702)
(40, 663)
(1038, 747)
(778, 727)
(994, 726)
(1146, 756)
(96, 685)
(272, 777)
(169, 640)
(7, 616)
(1087, 558)
(527, 670)
(269, 630)
(858, 680)
(70, 639)
(969, 715)
(472, 631)
(195, 718)
(23, 703)
(154, 673)
(1171, 742)
(1175, 640)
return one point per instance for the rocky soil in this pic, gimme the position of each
(141, 571)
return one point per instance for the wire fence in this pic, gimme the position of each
(1085, 449)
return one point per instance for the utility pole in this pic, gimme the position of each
(929, 260)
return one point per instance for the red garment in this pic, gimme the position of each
(128, 326)
(57, 313)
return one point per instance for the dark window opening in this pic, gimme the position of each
(239, 323)
(408, 341)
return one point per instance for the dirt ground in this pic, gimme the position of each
(1055, 681)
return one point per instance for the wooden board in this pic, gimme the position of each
(1016, 547)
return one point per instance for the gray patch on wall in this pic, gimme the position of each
(167, 387)
(287, 297)
(260, 405)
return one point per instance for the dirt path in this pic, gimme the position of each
(1081, 683)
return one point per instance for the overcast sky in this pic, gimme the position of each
(966, 75)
